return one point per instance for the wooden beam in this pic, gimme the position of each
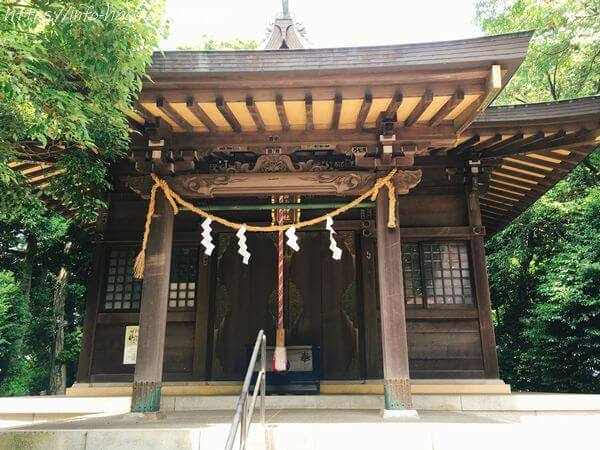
(173, 115)
(199, 113)
(365, 107)
(419, 109)
(523, 177)
(147, 115)
(512, 188)
(255, 113)
(519, 163)
(507, 150)
(299, 137)
(504, 208)
(493, 88)
(492, 213)
(496, 201)
(285, 123)
(395, 103)
(468, 152)
(508, 142)
(337, 109)
(396, 384)
(308, 106)
(447, 108)
(542, 141)
(485, 144)
(147, 379)
(527, 161)
(568, 142)
(506, 196)
(467, 143)
(224, 109)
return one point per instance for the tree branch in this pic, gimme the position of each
(551, 86)
(590, 67)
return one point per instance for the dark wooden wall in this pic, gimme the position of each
(444, 342)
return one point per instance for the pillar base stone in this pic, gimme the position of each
(399, 414)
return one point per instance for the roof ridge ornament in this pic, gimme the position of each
(284, 33)
(285, 8)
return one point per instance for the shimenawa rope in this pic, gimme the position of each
(175, 199)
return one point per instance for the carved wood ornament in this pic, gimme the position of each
(252, 184)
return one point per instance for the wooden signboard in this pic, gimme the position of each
(131, 344)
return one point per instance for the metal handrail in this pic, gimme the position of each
(242, 418)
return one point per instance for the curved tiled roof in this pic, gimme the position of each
(459, 53)
(541, 111)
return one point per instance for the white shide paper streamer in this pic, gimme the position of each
(207, 238)
(292, 238)
(243, 248)
(336, 252)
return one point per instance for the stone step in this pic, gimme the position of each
(314, 430)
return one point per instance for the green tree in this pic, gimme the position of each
(564, 56)
(67, 71)
(208, 43)
(13, 325)
(545, 267)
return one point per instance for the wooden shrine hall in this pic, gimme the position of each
(289, 134)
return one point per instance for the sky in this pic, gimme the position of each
(328, 23)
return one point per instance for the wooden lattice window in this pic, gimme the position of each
(411, 265)
(122, 292)
(184, 275)
(437, 273)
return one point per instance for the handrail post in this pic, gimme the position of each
(243, 428)
(243, 412)
(263, 387)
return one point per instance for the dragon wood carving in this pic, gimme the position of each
(276, 164)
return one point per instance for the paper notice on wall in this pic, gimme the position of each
(131, 344)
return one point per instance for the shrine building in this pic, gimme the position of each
(390, 296)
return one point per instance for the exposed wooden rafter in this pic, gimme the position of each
(226, 112)
(395, 103)
(173, 115)
(308, 106)
(419, 109)
(255, 113)
(337, 110)
(493, 87)
(200, 114)
(447, 108)
(283, 118)
(365, 107)
(508, 149)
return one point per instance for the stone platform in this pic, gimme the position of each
(317, 429)
(21, 411)
(327, 387)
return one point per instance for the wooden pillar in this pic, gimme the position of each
(92, 306)
(153, 310)
(396, 383)
(482, 288)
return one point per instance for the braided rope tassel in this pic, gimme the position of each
(280, 354)
(391, 204)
